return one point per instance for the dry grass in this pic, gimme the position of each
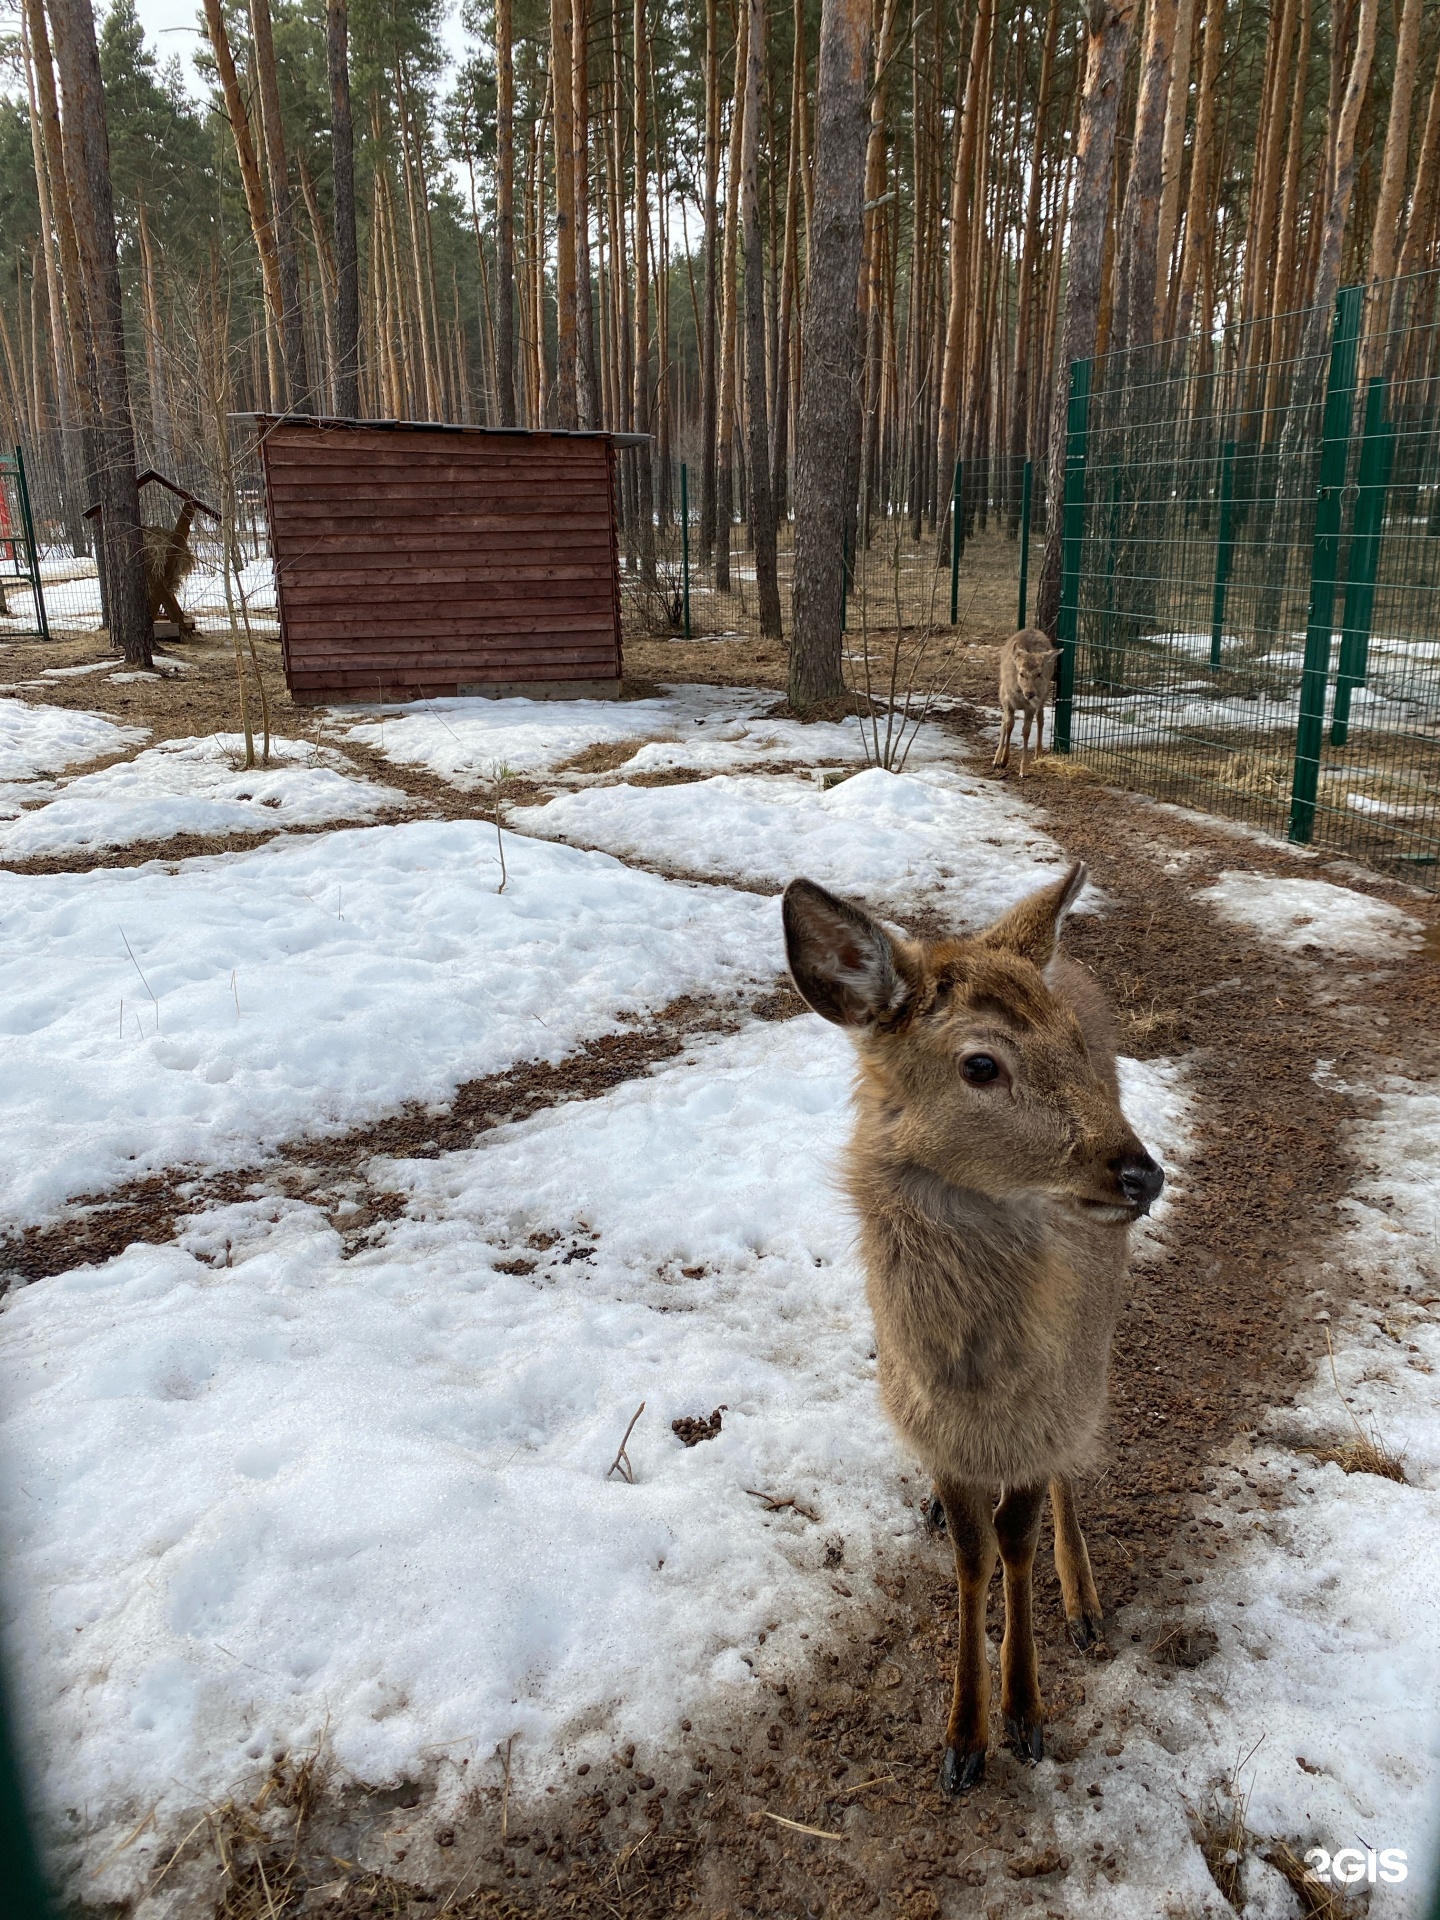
(257, 1842)
(604, 756)
(1318, 1900)
(1224, 1839)
(1363, 1451)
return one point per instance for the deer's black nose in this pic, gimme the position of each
(1139, 1179)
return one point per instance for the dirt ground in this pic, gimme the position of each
(826, 1802)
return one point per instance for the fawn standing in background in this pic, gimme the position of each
(995, 1177)
(1027, 673)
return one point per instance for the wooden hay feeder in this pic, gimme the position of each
(168, 555)
(417, 560)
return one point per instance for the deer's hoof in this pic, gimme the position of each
(1028, 1743)
(933, 1514)
(1087, 1630)
(959, 1772)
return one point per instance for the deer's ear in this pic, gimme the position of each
(1032, 928)
(843, 962)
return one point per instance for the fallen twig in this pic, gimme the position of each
(505, 1791)
(773, 1504)
(622, 1458)
(880, 1780)
(796, 1826)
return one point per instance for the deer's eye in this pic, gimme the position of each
(980, 1069)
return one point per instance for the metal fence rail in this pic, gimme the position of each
(1250, 606)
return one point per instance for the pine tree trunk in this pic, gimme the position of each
(957, 307)
(260, 225)
(50, 191)
(1024, 297)
(347, 251)
(779, 459)
(1385, 238)
(645, 502)
(587, 380)
(292, 314)
(762, 513)
(505, 209)
(1197, 205)
(87, 172)
(725, 422)
(1172, 164)
(825, 473)
(709, 380)
(1427, 176)
(1108, 43)
(562, 74)
(1282, 290)
(1342, 181)
(1140, 220)
(871, 289)
(155, 351)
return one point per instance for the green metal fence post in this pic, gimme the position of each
(956, 536)
(1027, 488)
(1224, 548)
(1077, 438)
(1377, 456)
(685, 543)
(27, 521)
(1325, 560)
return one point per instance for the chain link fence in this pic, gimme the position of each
(1250, 603)
(902, 573)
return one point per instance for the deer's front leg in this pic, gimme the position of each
(1017, 1528)
(1007, 728)
(972, 1534)
(1084, 1615)
(1024, 740)
(1039, 729)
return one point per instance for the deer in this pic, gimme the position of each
(995, 1179)
(1027, 673)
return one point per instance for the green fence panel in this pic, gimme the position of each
(1325, 560)
(1377, 457)
(1246, 500)
(1077, 436)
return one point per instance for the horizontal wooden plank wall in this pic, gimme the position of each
(420, 561)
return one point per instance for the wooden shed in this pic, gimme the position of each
(418, 560)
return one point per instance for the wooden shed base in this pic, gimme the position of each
(469, 690)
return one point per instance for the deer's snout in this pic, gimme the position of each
(1139, 1178)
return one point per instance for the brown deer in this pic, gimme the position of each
(1027, 673)
(995, 1178)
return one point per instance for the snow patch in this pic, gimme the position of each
(1303, 915)
(932, 837)
(317, 982)
(711, 729)
(197, 786)
(37, 740)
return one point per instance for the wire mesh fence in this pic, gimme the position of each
(901, 572)
(1250, 606)
(71, 601)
